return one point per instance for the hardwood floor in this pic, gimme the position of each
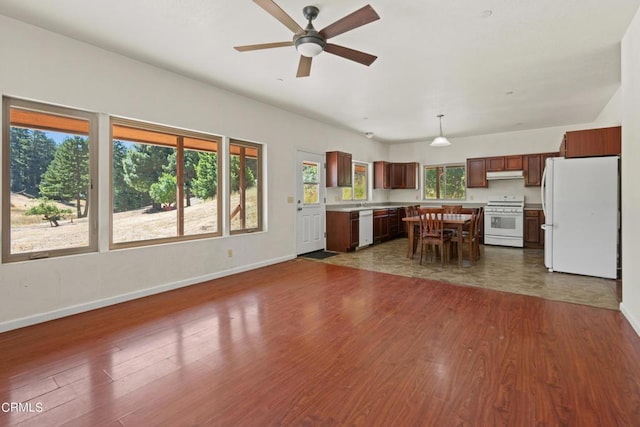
(309, 343)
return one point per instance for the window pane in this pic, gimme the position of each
(347, 193)
(201, 191)
(310, 183)
(245, 182)
(144, 191)
(430, 183)
(49, 205)
(360, 182)
(445, 182)
(455, 182)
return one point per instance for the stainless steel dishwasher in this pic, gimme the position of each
(365, 237)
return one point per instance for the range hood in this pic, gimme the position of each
(505, 175)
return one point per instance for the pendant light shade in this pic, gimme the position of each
(440, 141)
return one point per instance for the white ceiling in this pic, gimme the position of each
(488, 65)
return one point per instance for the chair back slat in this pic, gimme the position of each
(431, 222)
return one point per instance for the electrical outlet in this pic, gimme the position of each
(229, 253)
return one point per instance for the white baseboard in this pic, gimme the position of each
(635, 324)
(92, 305)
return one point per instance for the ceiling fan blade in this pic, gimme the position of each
(274, 10)
(357, 19)
(304, 67)
(262, 46)
(354, 55)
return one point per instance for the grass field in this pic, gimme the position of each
(32, 234)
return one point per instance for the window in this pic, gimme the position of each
(164, 184)
(445, 182)
(48, 183)
(360, 183)
(310, 182)
(245, 186)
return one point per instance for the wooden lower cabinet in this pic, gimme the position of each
(380, 225)
(343, 231)
(533, 234)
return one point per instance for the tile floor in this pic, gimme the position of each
(513, 270)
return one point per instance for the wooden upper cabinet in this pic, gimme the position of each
(395, 175)
(338, 169)
(592, 143)
(381, 175)
(513, 163)
(411, 173)
(504, 163)
(494, 164)
(532, 169)
(476, 173)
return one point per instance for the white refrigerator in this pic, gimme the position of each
(580, 203)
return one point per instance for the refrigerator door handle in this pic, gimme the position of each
(543, 185)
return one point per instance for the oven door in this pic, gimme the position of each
(503, 224)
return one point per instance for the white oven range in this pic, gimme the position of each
(504, 221)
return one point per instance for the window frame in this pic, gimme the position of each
(92, 194)
(180, 134)
(444, 168)
(260, 187)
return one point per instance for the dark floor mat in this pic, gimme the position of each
(318, 254)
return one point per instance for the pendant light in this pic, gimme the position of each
(440, 141)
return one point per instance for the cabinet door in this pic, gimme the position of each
(397, 175)
(532, 229)
(593, 142)
(495, 164)
(532, 169)
(513, 163)
(355, 231)
(410, 172)
(381, 178)
(338, 231)
(338, 169)
(344, 170)
(476, 173)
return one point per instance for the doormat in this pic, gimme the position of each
(318, 254)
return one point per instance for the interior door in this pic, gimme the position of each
(310, 202)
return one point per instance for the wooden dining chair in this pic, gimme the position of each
(468, 239)
(452, 209)
(432, 233)
(478, 230)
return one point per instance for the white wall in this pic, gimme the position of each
(43, 66)
(631, 173)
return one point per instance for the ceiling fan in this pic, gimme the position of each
(309, 42)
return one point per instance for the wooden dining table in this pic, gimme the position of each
(457, 221)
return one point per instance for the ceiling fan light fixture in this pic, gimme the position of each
(309, 46)
(440, 141)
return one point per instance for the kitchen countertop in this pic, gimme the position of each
(533, 206)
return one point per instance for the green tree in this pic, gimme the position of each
(49, 211)
(190, 162)
(31, 154)
(143, 165)
(249, 173)
(67, 177)
(164, 190)
(205, 183)
(125, 197)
